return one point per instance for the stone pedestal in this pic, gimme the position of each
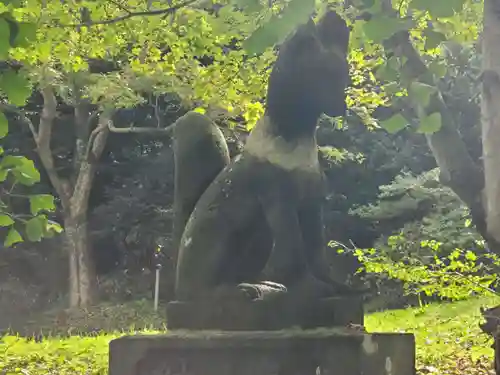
(289, 352)
(276, 337)
(265, 315)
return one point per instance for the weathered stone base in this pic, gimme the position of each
(291, 352)
(276, 314)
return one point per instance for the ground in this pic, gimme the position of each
(448, 338)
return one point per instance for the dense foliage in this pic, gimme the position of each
(89, 89)
(16, 171)
(436, 252)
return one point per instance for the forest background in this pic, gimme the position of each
(90, 91)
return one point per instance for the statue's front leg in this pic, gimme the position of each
(286, 262)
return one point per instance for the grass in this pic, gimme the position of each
(448, 339)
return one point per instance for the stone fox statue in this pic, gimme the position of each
(257, 226)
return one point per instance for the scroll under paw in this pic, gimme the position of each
(261, 290)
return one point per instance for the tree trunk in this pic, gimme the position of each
(490, 112)
(457, 169)
(74, 193)
(82, 273)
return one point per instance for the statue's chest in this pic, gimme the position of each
(289, 155)
(306, 184)
(296, 185)
(284, 167)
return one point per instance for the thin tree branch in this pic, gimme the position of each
(95, 147)
(82, 126)
(102, 126)
(132, 129)
(49, 112)
(13, 109)
(129, 15)
(120, 6)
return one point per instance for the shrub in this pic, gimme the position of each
(437, 252)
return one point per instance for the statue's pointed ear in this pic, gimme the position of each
(333, 31)
(307, 29)
(303, 40)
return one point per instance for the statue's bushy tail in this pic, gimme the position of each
(200, 154)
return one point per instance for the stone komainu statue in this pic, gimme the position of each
(253, 226)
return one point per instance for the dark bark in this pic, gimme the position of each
(82, 288)
(490, 115)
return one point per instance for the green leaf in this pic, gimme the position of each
(3, 174)
(35, 228)
(13, 237)
(52, 228)
(26, 173)
(368, 3)
(421, 92)
(41, 202)
(249, 6)
(26, 34)
(430, 124)
(394, 124)
(277, 28)
(10, 161)
(469, 255)
(392, 88)
(264, 37)
(200, 110)
(380, 28)
(298, 11)
(438, 9)
(433, 38)
(15, 3)
(389, 70)
(4, 125)
(16, 86)
(6, 220)
(4, 38)
(438, 69)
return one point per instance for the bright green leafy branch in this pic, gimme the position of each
(18, 170)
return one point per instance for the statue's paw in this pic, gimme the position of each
(276, 287)
(251, 291)
(261, 290)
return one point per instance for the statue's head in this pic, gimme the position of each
(311, 72)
